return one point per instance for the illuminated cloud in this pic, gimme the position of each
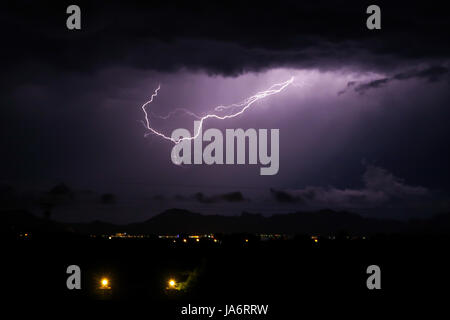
(380, 187)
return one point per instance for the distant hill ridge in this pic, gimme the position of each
(175, 221)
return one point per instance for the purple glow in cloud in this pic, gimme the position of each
(241, 106)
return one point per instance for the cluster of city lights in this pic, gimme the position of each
(172, 285)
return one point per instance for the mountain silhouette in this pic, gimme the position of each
(176, 221)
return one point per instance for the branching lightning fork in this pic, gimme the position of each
(243, 106)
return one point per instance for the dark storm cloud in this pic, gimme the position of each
(380, 188)
(430, 74)
(226, 197)
(372, 84)
(235, 196)
(221, 38)
(284, 196)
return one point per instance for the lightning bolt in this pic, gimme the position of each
(176, 111)
(243, 106)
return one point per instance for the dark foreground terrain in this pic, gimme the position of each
(293, 263)
(291, 275)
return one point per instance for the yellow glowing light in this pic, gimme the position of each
(315, 240)
(198, 240)
(172, 283)
(184, 240)
(104, 282)
(246, 240)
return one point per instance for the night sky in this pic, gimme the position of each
(364, 127)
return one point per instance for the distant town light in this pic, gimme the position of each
(172, 283)
(104, 284)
